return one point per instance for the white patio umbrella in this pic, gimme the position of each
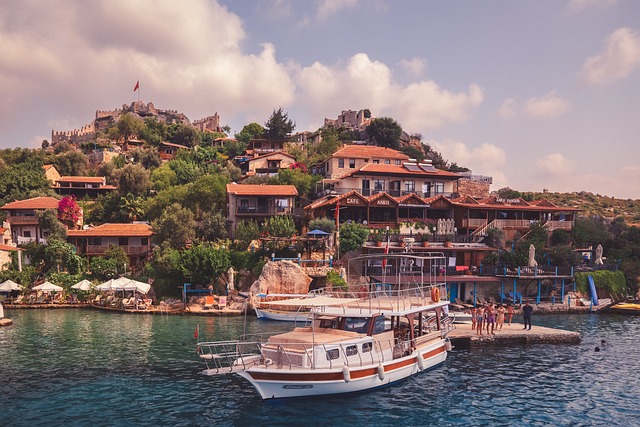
(83, 285)
(9, 285)
(112, 284)
(134, 285)
(47, 287)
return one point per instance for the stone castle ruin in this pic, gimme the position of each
(104, 119)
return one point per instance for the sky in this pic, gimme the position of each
(540, 94)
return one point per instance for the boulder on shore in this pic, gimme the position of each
(281, 277)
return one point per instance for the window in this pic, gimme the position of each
(378, 326)
(378, 184)
(438, 187)
(387, 161)
(123, 241)
(376, 161)
(95, 241)
(244, 205)
(398, 162)
(144, 241)
(352, 163)
(333, 354)
(367, 347)
(341, 163)
(352, 350)
(410, 186)
(26, 234)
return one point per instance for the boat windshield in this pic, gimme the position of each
(361, 324)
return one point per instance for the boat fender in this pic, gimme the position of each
(346, 374)
(420, 360)
(381, 372)
(448, 345)
(435, 294)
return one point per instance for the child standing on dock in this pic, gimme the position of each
(473, 318)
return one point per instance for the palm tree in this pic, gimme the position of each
(132, 206)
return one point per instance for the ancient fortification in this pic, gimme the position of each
(104, 119)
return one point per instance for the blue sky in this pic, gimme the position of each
(538, 94)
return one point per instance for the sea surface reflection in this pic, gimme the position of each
(75, 367)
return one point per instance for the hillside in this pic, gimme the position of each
(595, 204)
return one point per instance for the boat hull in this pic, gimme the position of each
(281, 316)
(274, 383)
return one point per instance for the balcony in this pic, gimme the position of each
(22, 220)
(394, 193)
(269, 211)
(130, 250)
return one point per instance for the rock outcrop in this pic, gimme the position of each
(281, 277)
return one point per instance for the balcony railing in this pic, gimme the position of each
(394, 193)
(130, 250)
(22, 220)
(269, 210)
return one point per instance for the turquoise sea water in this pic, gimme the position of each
(81, 367)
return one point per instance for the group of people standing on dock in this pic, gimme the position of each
(491, 318)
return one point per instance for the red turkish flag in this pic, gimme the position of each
(137, 86)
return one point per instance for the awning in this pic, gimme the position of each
(320, 301)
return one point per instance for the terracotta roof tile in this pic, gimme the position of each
(34, 203)
(369, 151)
(114, 230)
(91, 179)
(9, 248)
(261, 190)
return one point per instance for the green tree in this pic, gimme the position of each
(184, 135)
(51, 226)
(154, 206)
(203, 263)
(589, 231)
(72, 163)
(176, 226)
(134, 179)
(325, 224)
(352, 236)
(249, 132)
(163, 177)
(279, 126)
(385, 132)
(132, 207)
(208, 193)
(246, 232)
(186, 171)
(21, 180)
(304, 182)
(128, 127)
(149, 158)
(280, 226)
(212, 226)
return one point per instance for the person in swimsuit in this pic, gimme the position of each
(500, 318)
(510, 312)
(490, 312)
(479, 320)
(473, 318)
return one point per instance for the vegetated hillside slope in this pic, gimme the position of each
(595, 204)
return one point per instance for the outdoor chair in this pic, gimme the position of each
(209, 302)
(41, 299)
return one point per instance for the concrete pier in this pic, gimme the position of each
(464, 337)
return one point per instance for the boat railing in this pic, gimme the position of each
(229, 356)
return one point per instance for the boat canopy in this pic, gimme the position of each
(319, 301)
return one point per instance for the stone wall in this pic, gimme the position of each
(473, 188)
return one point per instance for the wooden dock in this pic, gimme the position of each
(464, 337)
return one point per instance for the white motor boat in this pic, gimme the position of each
(356, 340)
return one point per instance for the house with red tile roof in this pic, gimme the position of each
(51, 173)
(81, 186)
(134, 239)
(352, 157)
(21, 216)
(261, 202)
(267, 164)
(168, 150)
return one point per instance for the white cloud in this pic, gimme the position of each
(576, 6)
(327, 8)
(487, 159)
(555, 165)
(364, 83)
(508, 109)
(620, 57)
(414, 66)
(547, 107)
